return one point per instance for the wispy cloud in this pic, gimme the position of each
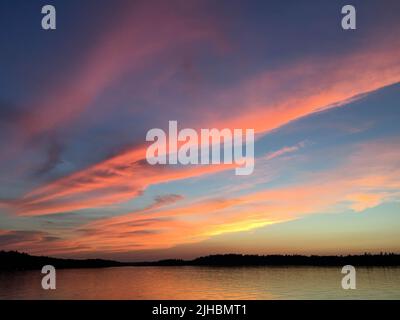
(350, 186)
(285, 150)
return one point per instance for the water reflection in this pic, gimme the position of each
(203, 283)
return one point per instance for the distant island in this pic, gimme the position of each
(13, 260)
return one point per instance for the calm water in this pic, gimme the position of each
(203, 283)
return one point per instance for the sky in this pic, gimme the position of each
(76, 104)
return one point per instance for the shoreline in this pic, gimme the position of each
(13, 260)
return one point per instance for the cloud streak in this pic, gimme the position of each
(350, 186)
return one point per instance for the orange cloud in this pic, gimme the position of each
(263, 102)
(274, 98)
(350, 186)
(320, 84)
(115, 180)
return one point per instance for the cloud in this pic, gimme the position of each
(19, 239)
(362, 201)
(133, 43)
(358, 183)
(350, 186)
(167, 199)
(274, 98)
(53, 158)
(115, 180)
(313, 90)
(284, 150)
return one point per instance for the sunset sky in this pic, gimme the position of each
(76, 104)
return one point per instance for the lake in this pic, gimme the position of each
(203, 283)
